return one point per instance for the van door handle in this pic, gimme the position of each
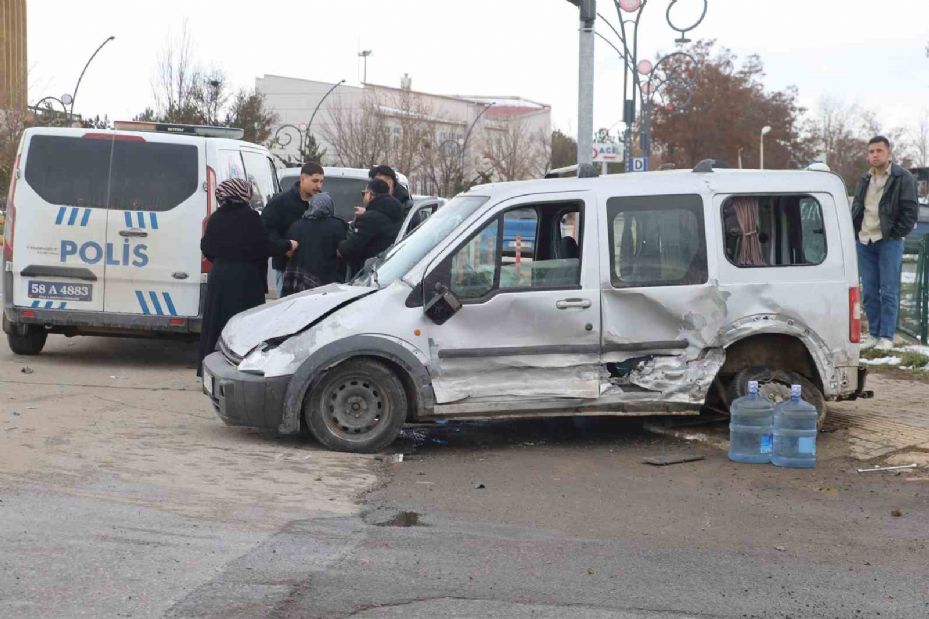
(569, 303)
(132, 233)
(179, 275)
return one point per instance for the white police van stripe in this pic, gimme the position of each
(72, 217)
(140, 216)
(128, 217)
(170, 304)
(61, 215)
(48, 305)
(153, 218)
(155, 303)
(141, 299)
(86, 217)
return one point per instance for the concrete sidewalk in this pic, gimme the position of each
(893, 425)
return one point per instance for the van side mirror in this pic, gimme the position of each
(442, 305)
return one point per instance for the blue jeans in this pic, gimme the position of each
(879, 266)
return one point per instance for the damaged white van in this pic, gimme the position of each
(654, 293)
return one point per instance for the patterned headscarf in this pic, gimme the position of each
(321, 207)
(233, 190)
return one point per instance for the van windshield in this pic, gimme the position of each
(120, 174)
(400, 258)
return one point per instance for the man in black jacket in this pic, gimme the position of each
(377, 225)
(884, 211)
(389, 176)
(287, 207)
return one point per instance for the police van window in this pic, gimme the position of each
(229, 165)
(773, 231)
(259, 174)
(657, 241)
(115, 174)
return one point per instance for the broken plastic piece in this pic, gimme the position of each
(670, 459)
(888, 468)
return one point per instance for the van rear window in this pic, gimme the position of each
(115, 174)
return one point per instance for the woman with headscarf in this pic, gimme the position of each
(318, 234)
(238, 246)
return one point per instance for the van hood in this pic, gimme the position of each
(283, 318)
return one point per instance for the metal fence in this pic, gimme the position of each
(914, 290)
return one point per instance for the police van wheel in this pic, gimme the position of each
(26, 339)
(359, 406)
(775, 385)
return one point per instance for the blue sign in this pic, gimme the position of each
(639, 164)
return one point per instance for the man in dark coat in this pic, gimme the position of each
(389, 176)
(377, 225)
(318, 233)
(239, 248)
(287, 207)
(884, 211)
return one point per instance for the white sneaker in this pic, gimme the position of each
(884, 344)
(868, 341)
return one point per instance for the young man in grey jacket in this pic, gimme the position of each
(884, 211)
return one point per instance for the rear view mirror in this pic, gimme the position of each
(442, 305)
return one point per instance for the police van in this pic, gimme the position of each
(103, 228)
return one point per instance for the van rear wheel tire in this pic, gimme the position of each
(26, 339)
(775, 385)
(359, 406)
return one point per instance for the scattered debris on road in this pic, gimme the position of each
(27, 370)
(479, 486)
(666, 459)
(888, 468)
(896, 513)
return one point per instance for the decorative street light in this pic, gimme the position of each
(364, 55)
(464, 144)
(663, 76)
(78, 85)
(44, 106)
(303, 135)
(764, 131)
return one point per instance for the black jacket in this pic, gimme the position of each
(234, 234)
(281, 212)
(898, 208)
(374, 232)
(403, 197)
(319, 239)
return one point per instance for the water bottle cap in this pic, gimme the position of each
(753, 387)
(796, 391)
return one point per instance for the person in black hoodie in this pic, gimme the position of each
(319, 233)
(287, 207)
(239, 247)
(377, 225)
(389, 176)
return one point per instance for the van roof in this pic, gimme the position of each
(675, 181)
(145, 135)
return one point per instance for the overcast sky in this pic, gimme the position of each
(867, 52)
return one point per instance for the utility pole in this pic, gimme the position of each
(585, 85)
(364, 54)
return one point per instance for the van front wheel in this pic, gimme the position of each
(359, 406)
(26, 339)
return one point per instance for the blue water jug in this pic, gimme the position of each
(794, 432)
(750, 420)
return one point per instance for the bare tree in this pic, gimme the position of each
(177, 80)
(12, 125)
(411, 121)
(441, 164)
(919, 140)
(359, 136)
(515, 152)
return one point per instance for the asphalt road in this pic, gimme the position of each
(121, 495)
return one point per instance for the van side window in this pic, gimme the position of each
(259, 174)
(229, 165)
(657, 241)
(527, 248)
(773, 231)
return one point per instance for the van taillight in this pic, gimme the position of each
(854, 315)
(206, 265)
(9, 225)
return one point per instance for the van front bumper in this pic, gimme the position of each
(242, 399)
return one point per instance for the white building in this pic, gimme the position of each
(428, 137)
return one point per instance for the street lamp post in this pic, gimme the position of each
(464, 144)
(629, 13)
(303, 135)
(364, 55)
(78, 85)
(764, 131)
